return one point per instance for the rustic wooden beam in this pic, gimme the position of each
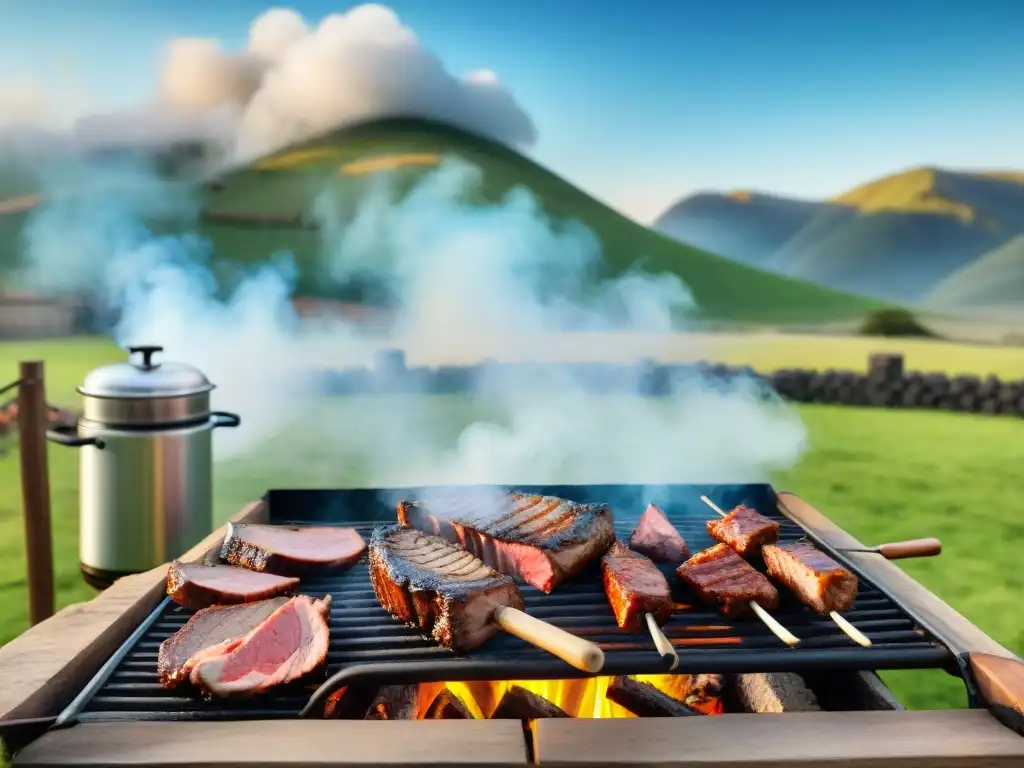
(263, 744)
(35, 490)
(44, 669)
(961, 738)
(997, 672)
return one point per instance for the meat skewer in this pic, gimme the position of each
(785, 562)
(657, 538)
(635, 586)
(743, 529)
(720, 576)
(448, 593)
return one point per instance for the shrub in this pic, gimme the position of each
(893, 322)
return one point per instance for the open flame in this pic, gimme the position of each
(584, 698)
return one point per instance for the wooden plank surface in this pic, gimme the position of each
(963, 738)
(44, 669)
(309, 743)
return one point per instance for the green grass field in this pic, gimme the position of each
(883, 475)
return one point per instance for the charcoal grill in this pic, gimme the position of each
(369, 647)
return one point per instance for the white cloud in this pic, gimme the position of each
(294, 80)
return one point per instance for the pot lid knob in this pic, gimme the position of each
(147, 353)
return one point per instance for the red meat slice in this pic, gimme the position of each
(657, 538)
(195, 585)
(288, 645)
(291, 550)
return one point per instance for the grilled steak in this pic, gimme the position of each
(635, 587)
(721, 577)
(542, 540)
(195, 585)
(209, 632)
(286, 646)
(745, 530)
(657, 538)
(291, 551)
(439, 588)
(820, 582)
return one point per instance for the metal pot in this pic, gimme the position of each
(146, 467)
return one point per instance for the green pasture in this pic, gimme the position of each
(883, 475)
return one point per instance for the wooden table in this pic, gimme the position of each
(46, 667)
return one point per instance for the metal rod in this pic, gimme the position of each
(8, 387)
(35, 490)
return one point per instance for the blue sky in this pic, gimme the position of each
(642, 102)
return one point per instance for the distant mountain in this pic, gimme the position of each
(897, 237)
(746, 226)
(996, 280)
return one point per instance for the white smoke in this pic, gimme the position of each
(471, 282)
(294, 81)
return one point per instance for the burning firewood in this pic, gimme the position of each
(521, 704)
(349, 702)
(447, 706)
(644, 700)
(394, 702)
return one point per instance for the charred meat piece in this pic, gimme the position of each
(657, 538)
(286, 646)
(542, 540)
(635, 587)
(208, 633)
(439, 588)
(195, 585)
(721, 577)
(816, 579)
(745, 530)
(291, 551)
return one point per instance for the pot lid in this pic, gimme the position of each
(142, 377)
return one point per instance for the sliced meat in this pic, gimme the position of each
(437, 587)
(822, 584)
(657, 538)
(286, 646)
(195, 585)
(745, 530)
(635, 587)
(721, 577)
(541, 540)
(291, 551)
(209, 632)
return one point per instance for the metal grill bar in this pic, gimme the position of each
(372, 648)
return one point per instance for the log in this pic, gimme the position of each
(644, 700)
(447, 706)
(351, 702)
(394, 702)
(521, 704)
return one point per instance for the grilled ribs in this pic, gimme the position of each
(208, 633)
(542, 540)
(816, 579)
(745, 530)
(291, 551)
(721, 577)
(657, 538)
(195, 585)
(635, 586)
(439, 588)
(286, 646)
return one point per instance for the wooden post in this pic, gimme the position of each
(35, 490)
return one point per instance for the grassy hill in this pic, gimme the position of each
(994, 280)
(267, 206)
(746, 226)
(897, 237)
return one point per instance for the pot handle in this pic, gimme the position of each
(225, 419)
(68, 437)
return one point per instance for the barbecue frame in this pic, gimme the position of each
(49, 665)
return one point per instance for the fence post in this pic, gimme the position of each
(35, 490)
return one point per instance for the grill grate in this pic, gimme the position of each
(372, 647)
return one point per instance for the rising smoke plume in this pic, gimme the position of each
(292, 81)
(472, 282)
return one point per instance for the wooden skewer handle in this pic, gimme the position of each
(899, 550)
(571, 649)
(662, 643)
